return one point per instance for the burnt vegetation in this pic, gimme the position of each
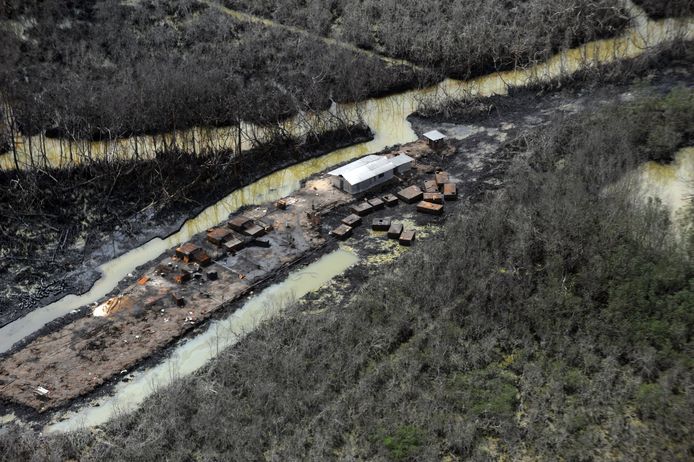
(659, 9)
(552, 320)
(103, 70)
(458, 38)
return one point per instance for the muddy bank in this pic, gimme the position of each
(476, 168)
(661, 69)
(79, 219)
(86, 353)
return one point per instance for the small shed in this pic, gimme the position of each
(395, 230)
(391, 200)
(342, 232)
(435, 139)
(362, 209)
(380, 224)
(367, 172)
(407, 237)
(239, 223)
(410, 195)
(219, 236)
(233, 245)
(254, 230)
(352, 220)
(376, 203)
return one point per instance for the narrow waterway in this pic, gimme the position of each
(672, 184)
(380, 113)
(194, 353)
(387, 118)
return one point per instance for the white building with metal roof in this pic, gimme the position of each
(434, 138)
(369, 171)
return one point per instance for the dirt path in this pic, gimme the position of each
(246, 17)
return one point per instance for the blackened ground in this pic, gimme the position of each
(548, 320)
(658, 9)
(69, 215)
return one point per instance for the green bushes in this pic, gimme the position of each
(404, 442)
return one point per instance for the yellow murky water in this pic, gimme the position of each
(673, 184)
(196, 352)
(386, 116)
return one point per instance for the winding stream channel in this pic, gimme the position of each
(387, 118)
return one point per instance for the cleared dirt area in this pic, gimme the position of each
(145, 317)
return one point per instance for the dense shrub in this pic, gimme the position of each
(460, 37)
(100, 69)
(551, 321)
(666, 8)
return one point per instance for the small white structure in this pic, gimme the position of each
(369, 171)
(434, 138)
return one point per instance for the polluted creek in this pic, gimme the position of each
(427, 202)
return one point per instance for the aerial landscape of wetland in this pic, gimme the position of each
(346, 230)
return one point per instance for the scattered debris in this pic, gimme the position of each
(430, 208)
(380, 224)
(183, 276)
(178, 300)
(259, 243)
(395, 230)
(143, 280)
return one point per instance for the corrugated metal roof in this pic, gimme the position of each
(369, 167)
(402, 159)
(352, 165)
(434, 135)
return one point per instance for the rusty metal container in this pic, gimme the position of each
(410, 195)
(395, 230)
(450, 191)
(342, 232)
(407, 238)
(430, 208)
(380, 224)
(391, 200)
(352, 220)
